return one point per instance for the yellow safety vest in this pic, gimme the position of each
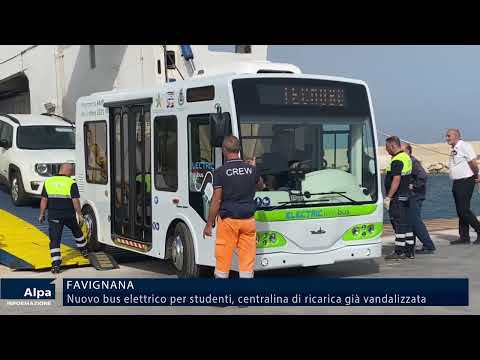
(405, 159)
(59, 187)
(148, 181)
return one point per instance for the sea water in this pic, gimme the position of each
(439, 202)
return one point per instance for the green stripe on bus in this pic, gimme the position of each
(314, 213)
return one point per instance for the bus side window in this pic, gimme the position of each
(96, 163)
(165, 154)
(201, 162)
(201, 152)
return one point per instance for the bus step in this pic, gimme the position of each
(102, 261)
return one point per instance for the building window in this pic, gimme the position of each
(96, 163)
(237, 49)
(171, 60)
(243, 49)
(93, 63)
(165, 153)
(222, 48)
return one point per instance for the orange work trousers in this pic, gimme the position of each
(235, 234)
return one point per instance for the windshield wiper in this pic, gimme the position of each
(308, 194)
(285, 203)
(341, 193)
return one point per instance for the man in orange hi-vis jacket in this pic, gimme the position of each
(234, 186)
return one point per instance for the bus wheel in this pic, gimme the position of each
(183, 252)
(91, 222)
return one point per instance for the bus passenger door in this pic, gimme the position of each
(165, 181)
(131, 172)
(95, 142)
(143, 183)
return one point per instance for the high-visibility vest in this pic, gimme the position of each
(405, 159)
(59, 187)
(148, 181)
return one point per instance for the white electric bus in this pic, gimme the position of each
(145, 159)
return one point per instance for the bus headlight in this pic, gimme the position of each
(41, 169)
(355, 231)
(363, 232)
(371, 228)
(273, 238)
(270, 239)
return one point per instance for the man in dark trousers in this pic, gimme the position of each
(234, 186)
(419, 189)
(60, 195)
(397, 181)
(464, 173)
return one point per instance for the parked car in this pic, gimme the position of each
(32, 148)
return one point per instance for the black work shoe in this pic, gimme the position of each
(55, 269)
(477, 242)
(410, 252)
(460, 241)
(396, 256)
(84, 253)
(424, 251)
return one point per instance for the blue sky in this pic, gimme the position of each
(418, 91)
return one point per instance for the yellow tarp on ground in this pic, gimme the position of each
(24, 241)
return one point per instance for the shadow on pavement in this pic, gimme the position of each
(446, 237)
(342, 269)
(162, 267)
(387, 249)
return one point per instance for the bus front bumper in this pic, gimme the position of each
(288, 260)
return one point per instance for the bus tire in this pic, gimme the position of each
(17, 191)
(92, 241)
(183, 253)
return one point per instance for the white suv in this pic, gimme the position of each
(32, 148)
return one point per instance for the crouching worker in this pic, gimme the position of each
(234, 186)
(60, 195)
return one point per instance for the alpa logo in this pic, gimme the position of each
(34, 293)
(27, 289)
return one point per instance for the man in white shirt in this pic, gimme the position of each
(464, 173)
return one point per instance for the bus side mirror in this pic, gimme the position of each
(220, 126)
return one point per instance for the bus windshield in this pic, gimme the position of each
(46, 137)
(312, 140)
